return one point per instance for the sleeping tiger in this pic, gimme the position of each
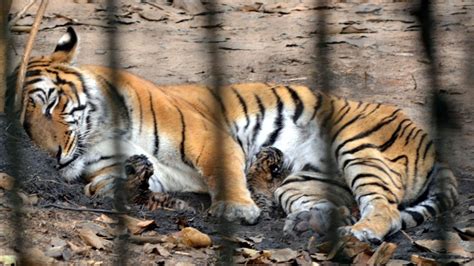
(383, 159)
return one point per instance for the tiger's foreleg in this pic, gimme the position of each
(223, 173)
(314, 201)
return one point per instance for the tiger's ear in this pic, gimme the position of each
(66, 48)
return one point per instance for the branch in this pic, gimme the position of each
(26, 56)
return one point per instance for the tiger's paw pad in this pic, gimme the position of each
(159, 200)
(363, 234)
(319, 219)
(233, 211)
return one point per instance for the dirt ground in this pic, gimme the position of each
(375, 55)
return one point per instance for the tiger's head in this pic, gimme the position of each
(54, 110)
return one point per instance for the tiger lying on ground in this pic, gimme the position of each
(383, 159)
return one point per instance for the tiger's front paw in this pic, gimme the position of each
(318, 219)
(102, 186)
(234, 211)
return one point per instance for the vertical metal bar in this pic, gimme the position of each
(120, 194)
(13, 154)
(323, 78)
(225, 228)
(439, 106)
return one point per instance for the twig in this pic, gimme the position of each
(414, 80)
(407, 236)
(26, 56)
(21, 13)
(80, 209)
(140, 240)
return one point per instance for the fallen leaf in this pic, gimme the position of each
(422, 261)
(191, 7)
(282, 255)
(28, 199)
(452, 245)
(465, 233)
(106, 219)
(55, 252)
(397, 262)
(158, 249)
(35, 256)
(91, 239)
(137, 226)
(361, 258)
(8, 260)
(353, 29)
(78, 249)
(255, 7)
(6, 181)
(192, 237)
(383, 254)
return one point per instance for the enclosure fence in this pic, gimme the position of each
(321, 63)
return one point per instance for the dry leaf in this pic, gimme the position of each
(465, 233)
(422, 261)
(28, 199)
(137, 226)
(6, 181)
(453, 243)
(283, 255)
(160, 250)
(362, 258)
(78, 249)
(35, 256)
(383, 254)
(106, 219)
(353, 29)
(91, 239)
(192, 237)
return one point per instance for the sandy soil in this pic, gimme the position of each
(375, 55)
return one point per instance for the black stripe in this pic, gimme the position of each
(61, 166)
(182, 146)
(219, 101)
(311, 168)
(317, 105)
(416, 216)
(403, 131)
(278, 121)
(284, 192)
(346, 105)
(344, 126)
(291, 200)
(32, 81)
(385, 121)
(102, 158)
(379, 196)
(365, 175)
(409, 134)
(299, 106)
(375, 184)
(428, 146)
(260, 118)
(328, 117)
(244, 107)
(378, 167)
(311, 178)
(394, 137)
(119, 101)
(31, 73)
(61, 81)
(430, 209)
(155, 126)
(417, 157)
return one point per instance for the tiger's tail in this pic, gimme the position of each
(442, 195)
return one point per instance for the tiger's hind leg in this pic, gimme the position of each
(378, 190)
(442, 196)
